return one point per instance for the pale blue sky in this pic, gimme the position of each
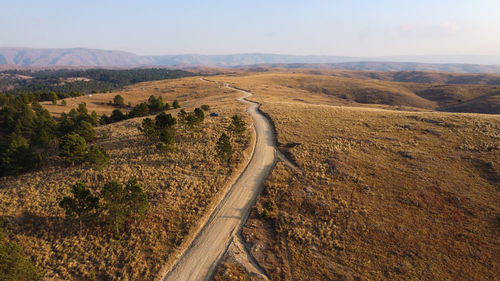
(347, 28)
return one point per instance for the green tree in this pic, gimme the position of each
(139, 110)
(86, 130)
(83, 205)
(167, 137)
(73, 148)
(148, 128)
(224, 148)
(137, 198)
(164, 121)
(175, 104)
(117, 116)
(116, 205)
(14, 264)
(97, 157)
(237, 125)
(64, 103)
(156, 104)
(118, 100)
(17, 156)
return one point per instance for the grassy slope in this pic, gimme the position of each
(180, 185)
(338, 90)
(384, 194)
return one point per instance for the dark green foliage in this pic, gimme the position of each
(86, 131)
(164, 121)
(16, 156)
(182, 115)
(264, 214)
(156, 104)
(167, 137)
(167, 106)
(46, 82)
(237, 125)
(176, 104)
(72, 121)
(198, 112)
(97, 157)
(137, 198)
(14, 264)
(83, 206)
(118, 100)
(148, 128)
(224, 148)
(139, 110)
(73, 148)
(64, 103)
(205, 107)
(116, 205)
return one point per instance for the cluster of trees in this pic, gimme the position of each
(44, 84)
(28, 134)
(152, 106)
(114, 207)
(224, 147)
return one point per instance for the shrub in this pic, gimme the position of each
(224, 148)
(97, 157)
(167, 137)
(83, 205)
(148, 128)
(117, 116)
(199, 114)
(64, 103)
(118, 100)
(164, 121)
(205, 107)
(73, 148)
(237, 125)
(175, 104)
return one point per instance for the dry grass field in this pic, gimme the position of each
(181, 186)
(382, 194)
(326, 89)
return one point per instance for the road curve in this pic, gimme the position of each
(199, 260)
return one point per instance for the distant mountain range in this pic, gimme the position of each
(103, 58)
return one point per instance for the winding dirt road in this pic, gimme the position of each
(199, 260)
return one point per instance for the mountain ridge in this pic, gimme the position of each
(71, 57)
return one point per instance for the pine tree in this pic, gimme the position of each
(83, 205)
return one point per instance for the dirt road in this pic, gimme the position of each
(199, 260)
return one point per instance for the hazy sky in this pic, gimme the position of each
(348, 28)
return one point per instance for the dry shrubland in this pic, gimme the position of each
(181, 185)
(381, 195)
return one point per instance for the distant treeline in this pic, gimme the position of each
(49, 84)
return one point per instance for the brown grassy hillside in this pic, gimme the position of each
(383, 195)
(323, 89)
(181, 186)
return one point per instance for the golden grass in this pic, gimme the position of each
(383, 195)
(182, 186)
(325, 89)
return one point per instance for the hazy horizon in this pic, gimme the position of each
(334, 28)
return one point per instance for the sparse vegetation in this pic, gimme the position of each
(180, 188)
